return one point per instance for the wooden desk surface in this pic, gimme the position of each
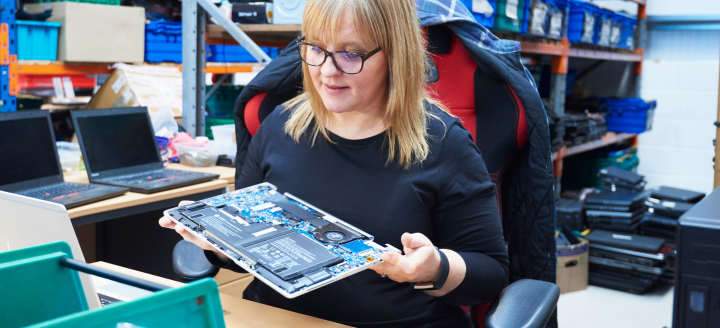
(240, 313)
(133, 199)
(226, 173)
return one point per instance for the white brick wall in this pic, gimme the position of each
(681, 72)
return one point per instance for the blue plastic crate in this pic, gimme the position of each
(627, 32)
(481, 17)
(578, 30)
(526, 17)
(235, 54)
(37, 40)
(163, 42)
(629, 115)
(603, 25)
(560, 8)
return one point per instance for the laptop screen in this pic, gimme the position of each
(28, 150)
(117, 141)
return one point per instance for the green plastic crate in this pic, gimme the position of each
(503, 21)
(213, 121)
(222, 102)
(98, 2)
(38, 292)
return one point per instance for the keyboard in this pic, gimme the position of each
(58, 191)
(147, 176)
(107, 300)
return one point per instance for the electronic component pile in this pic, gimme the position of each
(288, 244)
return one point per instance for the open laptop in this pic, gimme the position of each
(120, 149)
(45, 222)
(30, 164)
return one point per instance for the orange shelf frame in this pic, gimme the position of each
(606, 140)
(61, 68)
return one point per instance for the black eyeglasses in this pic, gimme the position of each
(347, 62)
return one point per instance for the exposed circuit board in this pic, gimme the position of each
(289, 244)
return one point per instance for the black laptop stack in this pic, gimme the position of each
(581, 128)
(626, 262)
(665, 206)
(621, 210)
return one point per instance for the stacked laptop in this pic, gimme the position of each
(665, 206)
(621, 210)
(581, 128)
(627, 262)
(615, 178)
(30, 164)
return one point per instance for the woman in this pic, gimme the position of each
(366, 143)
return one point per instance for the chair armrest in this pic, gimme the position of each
(190, 263)
(525, 303)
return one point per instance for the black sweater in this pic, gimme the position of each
(449, 198)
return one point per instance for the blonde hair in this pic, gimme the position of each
(392, 25)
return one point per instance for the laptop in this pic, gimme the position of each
(45, 222)
(618, 198)
(120, 149)
(30, 164)
(669, 193)
(625, 241)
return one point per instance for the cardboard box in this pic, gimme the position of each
(153, 87)
(97, 33)
(572, 267)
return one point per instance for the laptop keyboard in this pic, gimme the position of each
(107, 300)
(58, 191)
(148, 176)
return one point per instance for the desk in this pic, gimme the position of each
(226, 173)
(240, 313)
(124, 230)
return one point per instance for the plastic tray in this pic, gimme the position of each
(503, 21)
(37, 40)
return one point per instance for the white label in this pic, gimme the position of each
(623, 237)
(262, 207)
(57, 86)
(127, 96)
(539, 15)
(482, 7)
(556, 25)
(615, 35)
(668, 204)
(511, 9)
(260, 233)
(119, 83)
(68, 88)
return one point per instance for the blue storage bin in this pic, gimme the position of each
(163, 42)
(629, 115)
(526, 16)
(482, 18)
(37, 40)
(556, 17)
(627, 32)
(581, 26)
(235, 54)
(603, 27)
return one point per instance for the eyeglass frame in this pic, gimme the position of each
(331, 54)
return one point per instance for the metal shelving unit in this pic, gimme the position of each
(281, 35)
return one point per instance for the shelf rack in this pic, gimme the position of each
(29, 67)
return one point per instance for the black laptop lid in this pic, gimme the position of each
(116, 141)
(625, 240)
(669, 193)
(617, 198)
(622, 175)
(29, 155)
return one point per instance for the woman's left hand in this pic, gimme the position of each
(421, 262)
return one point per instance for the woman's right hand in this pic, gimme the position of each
(166, 222)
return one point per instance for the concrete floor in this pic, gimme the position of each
(602, 308)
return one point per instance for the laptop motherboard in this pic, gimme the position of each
(283, 241)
